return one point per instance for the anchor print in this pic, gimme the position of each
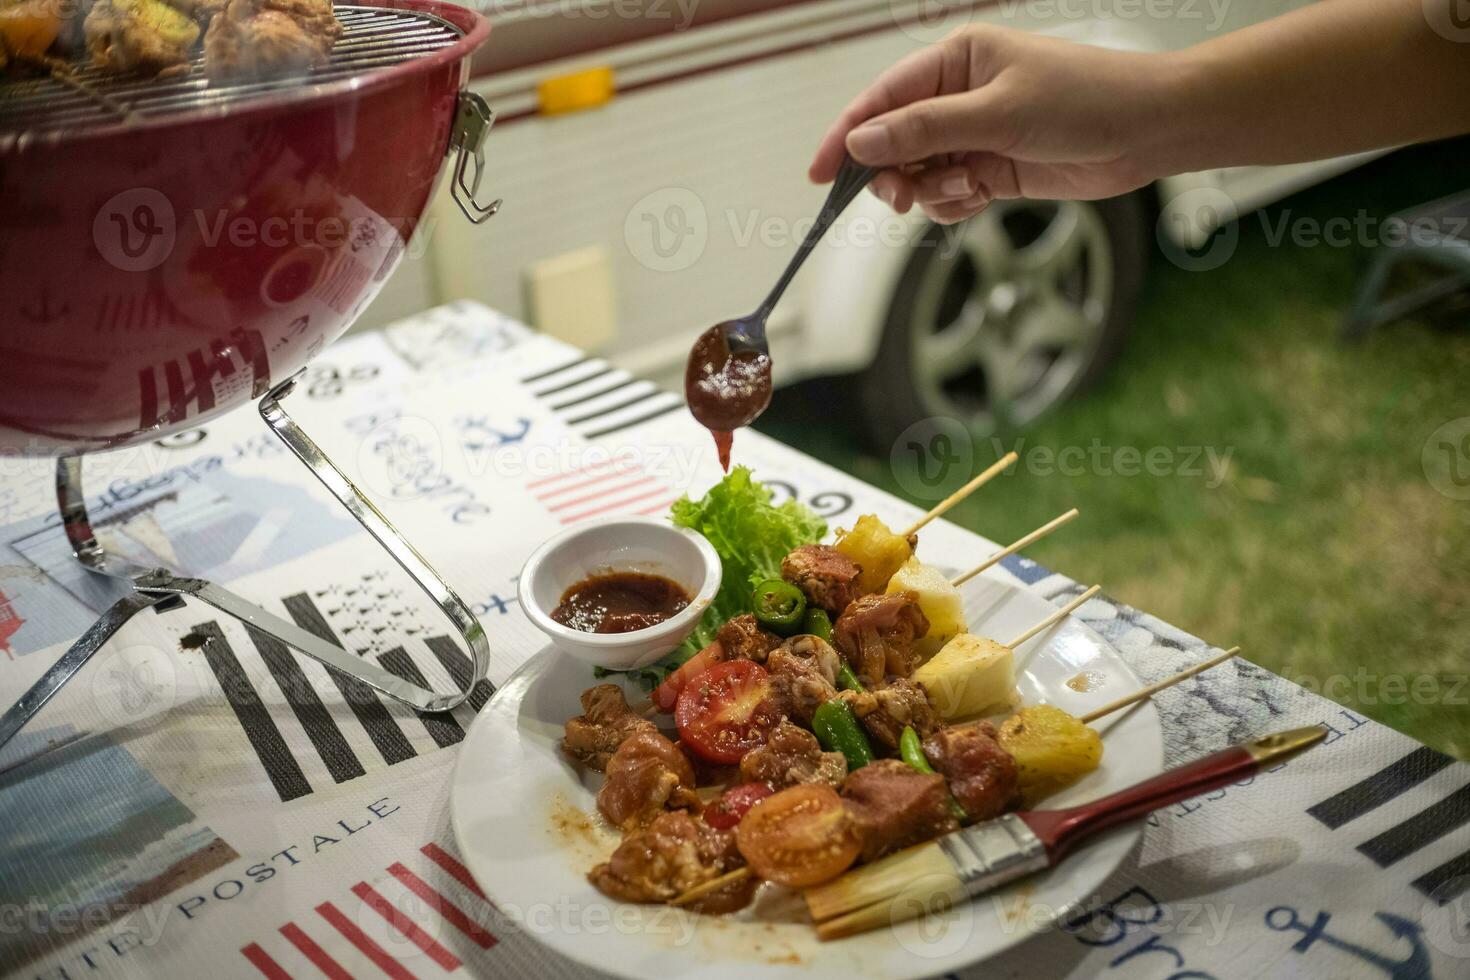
(42, 311)
(1414, 966)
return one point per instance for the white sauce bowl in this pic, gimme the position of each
(649, 545)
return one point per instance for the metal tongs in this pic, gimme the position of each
(161, 589)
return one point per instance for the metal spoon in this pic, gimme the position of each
(749, 332)
(728, 379)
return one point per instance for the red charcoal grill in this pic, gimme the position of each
(134, 307)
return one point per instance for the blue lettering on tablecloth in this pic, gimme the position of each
(1415, 965)
(414, 465)
(1115, 923)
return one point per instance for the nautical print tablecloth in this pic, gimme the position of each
(201, 802)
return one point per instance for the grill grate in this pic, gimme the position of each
(372, 37)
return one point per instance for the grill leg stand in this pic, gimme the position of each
(161, 589)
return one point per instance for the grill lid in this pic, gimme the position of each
(85, 96)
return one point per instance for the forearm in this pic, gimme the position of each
(1336, 77)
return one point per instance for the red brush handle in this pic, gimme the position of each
(1061, 830)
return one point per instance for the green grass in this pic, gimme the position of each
(1325, 552)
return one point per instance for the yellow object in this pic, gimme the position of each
(877, 549)
(29, 28)
(1051, 748)
(572, 93)
(939, 600)
(969, 676)
(570, 297)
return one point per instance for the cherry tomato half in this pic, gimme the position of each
(734, 803)
(666, 695)
(799, 837)
(727, 711)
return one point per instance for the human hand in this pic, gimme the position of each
(995, 113)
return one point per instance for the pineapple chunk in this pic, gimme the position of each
(969, 676)
(876, 549)
(30, 27)
(939, 600)
(1052, 750)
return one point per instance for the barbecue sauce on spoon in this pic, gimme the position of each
(725, 390)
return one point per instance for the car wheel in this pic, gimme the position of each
(999, 319)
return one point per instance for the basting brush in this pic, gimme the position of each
(934, 876)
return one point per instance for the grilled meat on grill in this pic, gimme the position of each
(139, 36)
(253, 39)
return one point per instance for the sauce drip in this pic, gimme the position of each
(725, 390)
(619, 602)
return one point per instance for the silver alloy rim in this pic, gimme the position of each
(1029, 318)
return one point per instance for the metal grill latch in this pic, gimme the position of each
(472, 124)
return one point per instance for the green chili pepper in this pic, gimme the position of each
(838, 730)
(847, 680)
(911, 751)
(779, 606)
(817, 623)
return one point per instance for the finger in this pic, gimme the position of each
(916, 76)
(894, 189)
(940, 185)
(969, 121)
(953, 212)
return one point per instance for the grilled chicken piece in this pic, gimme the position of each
(742, 638)
(896, 806)
(876, 635)
(255, 39)
(646, 774)
(146, 36)
(606, 722)
(804, 673)
(826, 576)
(886, 711)
(790, 757)
(981, 774)
(674, 854)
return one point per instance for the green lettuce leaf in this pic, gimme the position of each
(751, 536)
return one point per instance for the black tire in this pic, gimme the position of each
(889, 400)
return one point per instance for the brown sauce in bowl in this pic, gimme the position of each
(620, 602)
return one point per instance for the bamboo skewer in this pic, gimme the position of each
(844, 921)
(991, 472)
(1145, 693)
(713, 885)
(1022, 542)
(1055, 617)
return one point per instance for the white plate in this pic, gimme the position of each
(526, 821)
